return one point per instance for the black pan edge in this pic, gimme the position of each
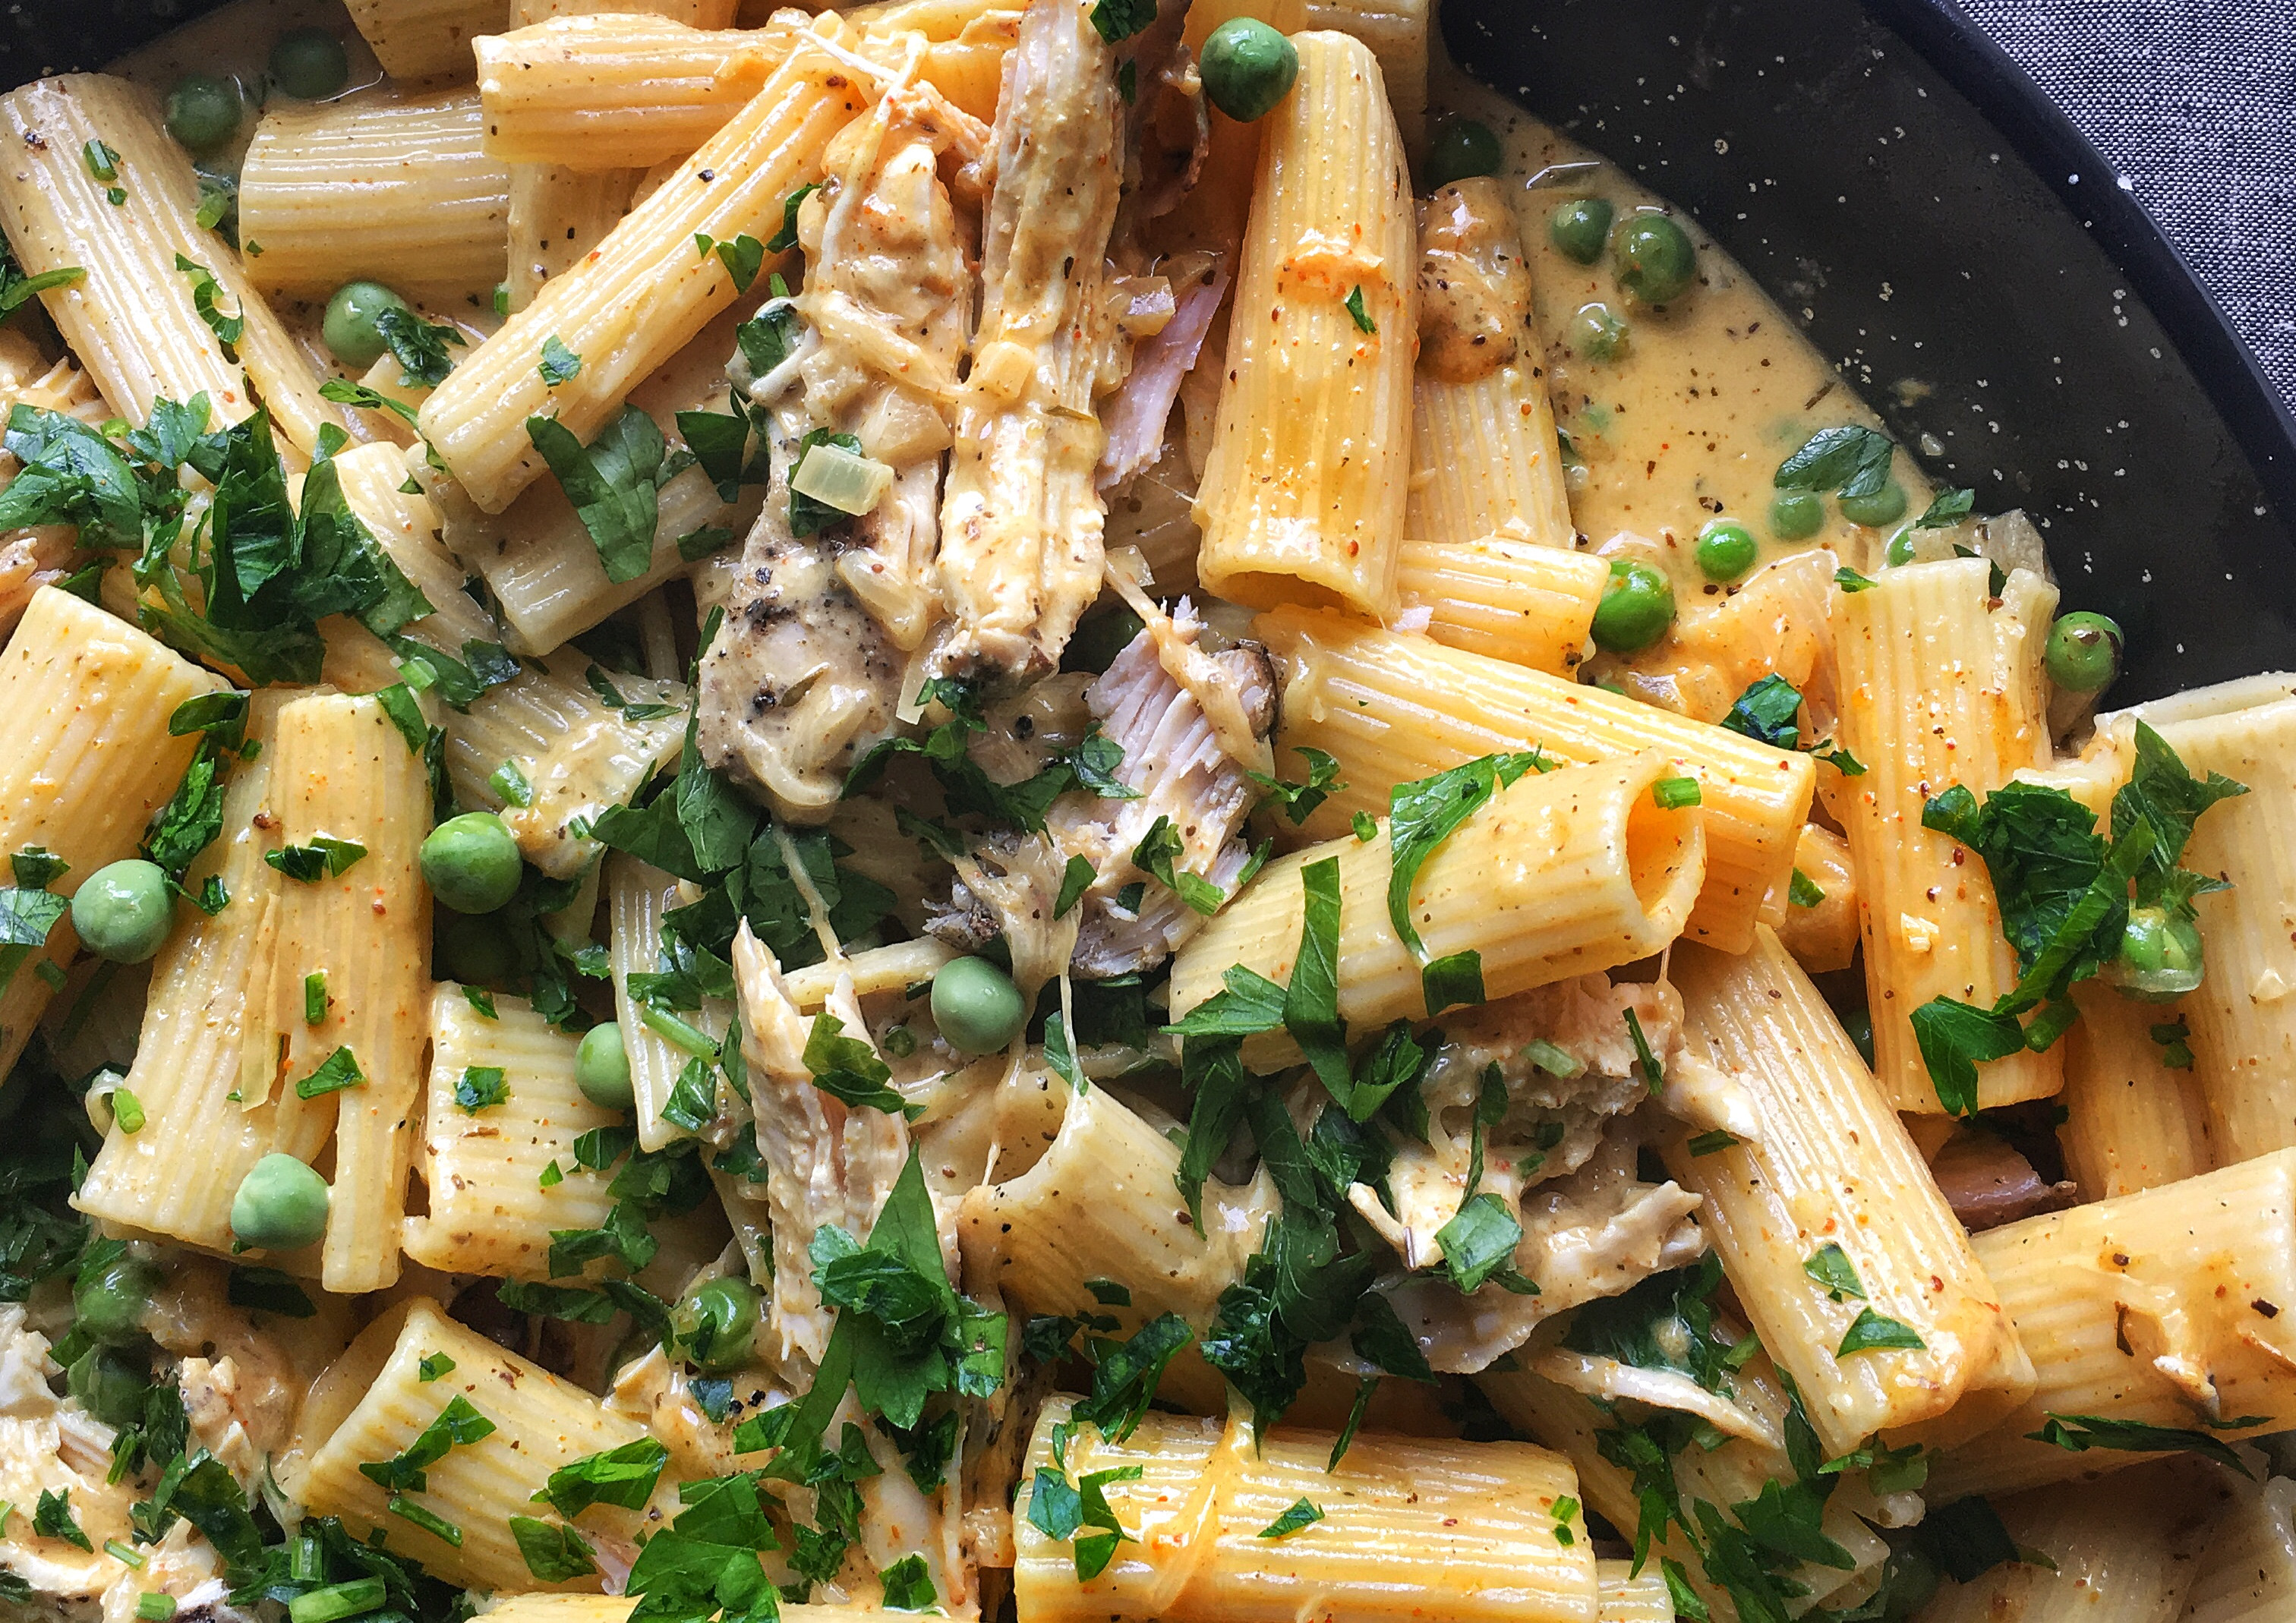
(2084, 179)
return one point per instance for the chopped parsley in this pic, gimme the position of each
(1356, 311)
(1301, 1514)
(614, 483)
(558, 364)
(456, 1424)
(339, 1071)
(419, 346)
(1851, 460)
(480, 1087)
(326, 857)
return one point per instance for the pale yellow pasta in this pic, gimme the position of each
(1821, 931)
(421, 39)
(372, 1403)
(615, 1608)
(576, 754)
(618, 92)
(85, 758)
(1485, 461)
(2121, 1551)
(891, 968)
(1466, 1530)
(1725, 1476)
(1940, 683)
(2248, 1573)
(130, 318)
(1392, 707)
(1302, 499)
(1831, 1166)
(644, 292)
(557, 214)
(2131, 1121)
(2168, 1308)
(389, 188)
(1558, 874)
(1396, 30)
(406, 525)
(489, 1210)
(1623, 1596)
(1503, 596)
(210, 993)
(344, 773)
(637, 895)
(1099, 1205)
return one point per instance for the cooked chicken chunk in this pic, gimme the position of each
(1474, 295)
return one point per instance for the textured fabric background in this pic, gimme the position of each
(2194, 102)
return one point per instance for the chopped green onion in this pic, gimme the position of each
(1672, 794)
(338, 1601)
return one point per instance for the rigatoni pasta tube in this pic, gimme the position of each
(1467, 1530)
(2168, 1308)
(397, 189)
(1100, 1203)
(1623, 1595)
(1820, 926)
(85, 758)
(637, 895)
(1396, 30)
(1831, 1171)
(422, 40)
(644, 292)
(210, 991)
(130, 319)
(1392, 707)
(2248, 1573)
(2131, 1121)
(1558, 874)
(1486, 460)
(1302, 499)
(557, 214)
(490, 1211)
(1503, 596)
(406, 524)
(343, 773)
(1940, 683)
(540, 1608)
(372, 1403)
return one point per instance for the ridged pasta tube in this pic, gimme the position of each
(1302, 499)
(1466, 1530)
(490, 1211)
(1556, 874)
(2248, 1573)
(1821, 930)
(644, 292)
(398, 189)
(343, 773)
(2168, 1306)
(2131, 1122)
(85, 758)
(372, 1403)
(1392, 707)
(1940, 683)
(1485, 461)
(1396, 30)
(1831, 1171)
(131, 319)
(1503, 596)
(423, 40)
(638, 897)
(406, 525)
(209, 998)
(558, 215)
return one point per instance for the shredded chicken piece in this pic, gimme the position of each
(49, 1445)
(1190, 724)
(1136, 414)
(213, 1405)
(1022, 522)
(1009, 886)
(824, 1162)
(1474, 295)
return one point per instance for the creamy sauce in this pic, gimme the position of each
(1691, 420)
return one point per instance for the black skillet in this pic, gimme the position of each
(1900, 186)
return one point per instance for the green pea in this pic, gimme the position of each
(471, 862)
(1597, 332)
(203, 113)
(2083, 653)
(1886, 506)
(1099, 638)
(1247, 68)
(1859, 1024)
(715, 1324)
(309, 63)
(1656, 262)
(107, 1303)
(1580, 228)
(976, 1005)
(1900, 550)
(602, 1068)
(1461, 147)
(281, 1204)
(2160, 956)
(475, 951)
(1797, 516)
(1727, 549)
(1635, 608)
(109, 1384)
(349, 327)
(124, 911)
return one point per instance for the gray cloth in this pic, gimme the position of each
(2194, 102)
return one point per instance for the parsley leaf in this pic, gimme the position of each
(611, 482)
(849, 1067)
(1423, 815)
(1767, 712)
(1356, 311)
(1870, 1331)
(555, 1553)
(623, 1477)
(1300, 1515)
(456, 1424)
(1119, 21)
(2082, 1432)
(1478, 1245)
(1311, 1001)
(1831, 1267)
(558, 364)
(1852, 460)
(419, 346)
